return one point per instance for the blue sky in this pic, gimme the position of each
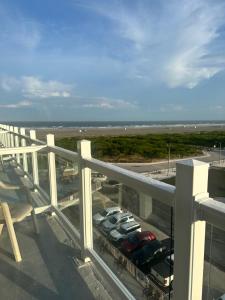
(112, 60)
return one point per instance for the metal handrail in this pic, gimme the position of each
(159, 190)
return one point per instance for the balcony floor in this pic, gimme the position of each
(47, 270)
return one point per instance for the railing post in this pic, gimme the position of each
(23, 144)
(34, 160)
(189, 232)
(12, 137)
(52, 171)
(17, 144)
(85, 196)
(3, 135)
(8, 137)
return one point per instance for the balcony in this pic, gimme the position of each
(71, 258)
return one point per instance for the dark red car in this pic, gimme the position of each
(137, 241)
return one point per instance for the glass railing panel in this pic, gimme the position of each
(43, 173)
(127, 246)
(68, 189)
(29, 165)
(214, 265)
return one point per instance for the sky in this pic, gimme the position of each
(101, 60)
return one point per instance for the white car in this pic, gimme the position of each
(163, 271)
(115, 221)
(98, 177)
(105, 213)
(221, 297)
(124, 230)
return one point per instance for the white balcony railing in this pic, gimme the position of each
(189, 199)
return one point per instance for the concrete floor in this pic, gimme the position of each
(47, 270)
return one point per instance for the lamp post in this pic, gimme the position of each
(220, 149)
(220, 153)
(169, 146)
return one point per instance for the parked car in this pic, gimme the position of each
(163, 271)
(105, 213)
(115, 221)
(150, 253)
(136, 241)
(117, 235)
(169, 244)
(98, 177)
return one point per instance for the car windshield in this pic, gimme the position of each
(103, 213)
(113, 220)
(122, 231)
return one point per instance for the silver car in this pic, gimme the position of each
(115, 221)
(124, 230)
(105, 213)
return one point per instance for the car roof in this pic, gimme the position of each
(122, 215)
(108, 209)
(130, 225)
(155, 244)
(143, 234)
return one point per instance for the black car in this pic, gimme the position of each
(169, 245)
(149, 254)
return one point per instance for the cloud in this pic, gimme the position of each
(20, 104)
(106, 103)
(34, 87)
(171, 108)
(169, 41)
(17, 30)
(218, 108)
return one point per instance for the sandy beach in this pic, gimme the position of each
(118, 131)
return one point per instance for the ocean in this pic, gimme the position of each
(114, 124)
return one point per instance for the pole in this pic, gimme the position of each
(168, 159)
(85, 196)
(189, 232)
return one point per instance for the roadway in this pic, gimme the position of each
(150, 167)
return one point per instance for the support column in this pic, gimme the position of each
(145, 206)
(120, 194)
(52, 171)
(17, 144)
(23, 144)
(189, 233)
(12, 139)
(34, 160)
(85, 196)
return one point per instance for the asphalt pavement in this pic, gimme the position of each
(210, 156)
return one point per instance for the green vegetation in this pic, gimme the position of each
(143, 148)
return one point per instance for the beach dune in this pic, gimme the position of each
(120, 131)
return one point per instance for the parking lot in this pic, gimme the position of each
(214, 276)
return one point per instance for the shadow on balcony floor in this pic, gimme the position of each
(47, 270)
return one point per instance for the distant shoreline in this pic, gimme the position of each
(84, 132)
